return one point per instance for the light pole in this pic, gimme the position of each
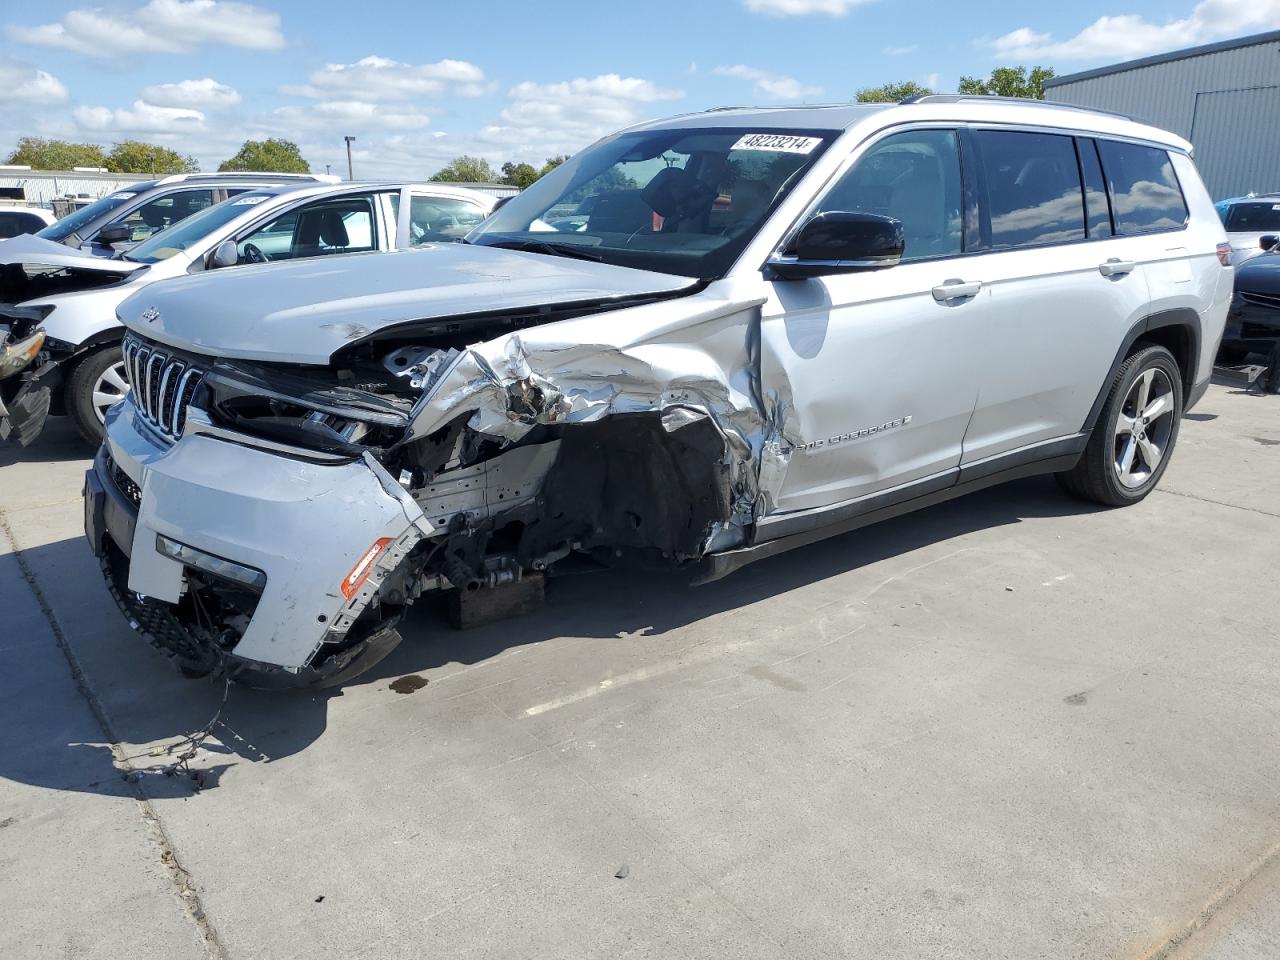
(350, 174)
(328, 169)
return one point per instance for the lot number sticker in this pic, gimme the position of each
(247, 201)
(777, 143)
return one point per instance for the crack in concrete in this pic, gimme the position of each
(1220, 503)
(179, 877)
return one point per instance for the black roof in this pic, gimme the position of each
(1188, 53)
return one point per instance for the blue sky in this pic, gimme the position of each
(420, 82)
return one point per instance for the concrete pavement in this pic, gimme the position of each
(1009, 726)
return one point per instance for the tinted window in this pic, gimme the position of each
(1097, 210)
(1254, 217)
(73, 221)
(1145, 196)
(13, 224)
(192, 231)
(915, 178)
(1033, 188)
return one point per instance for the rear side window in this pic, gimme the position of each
(1033, 188)
(13, 224)
(1145, 195)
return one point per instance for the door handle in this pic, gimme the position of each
(956, 290)
(1116, 268)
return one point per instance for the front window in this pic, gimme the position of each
(441, 219)
(685, 202)
(914, 178)
(344, 225)
(194, 229)
(72, 222)
(1254, 218)
(163, 212)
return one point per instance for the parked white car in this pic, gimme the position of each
(74, 295)
(752, 329)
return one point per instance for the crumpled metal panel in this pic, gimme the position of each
(649, 359)
(305, 525)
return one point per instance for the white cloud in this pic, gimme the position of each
(206, 94)
(800, 8)
(566, 116)
(901, 51)
(23, 83)
(143, 117)
(770, 86)
(344, 116)
(379, 78)
(161, 26)
(1127, 36)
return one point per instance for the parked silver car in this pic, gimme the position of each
(699, 342)
(73, 296)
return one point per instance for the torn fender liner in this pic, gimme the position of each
(304, 525)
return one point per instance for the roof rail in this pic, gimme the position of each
(1019, 101)
(310, 177)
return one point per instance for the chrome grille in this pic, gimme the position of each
(162, 385)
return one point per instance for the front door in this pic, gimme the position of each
(872, 375)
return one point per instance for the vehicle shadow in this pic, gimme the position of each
(148, 703)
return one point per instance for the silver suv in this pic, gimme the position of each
(699, 342)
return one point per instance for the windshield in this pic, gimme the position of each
(676, 201)
(194, 229)
(1254, 218)
(61, 229)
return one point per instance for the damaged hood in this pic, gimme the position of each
(303, 312)
(23, 257)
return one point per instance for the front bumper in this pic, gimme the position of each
(1252, 324)
(304, 526)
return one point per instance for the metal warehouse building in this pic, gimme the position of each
(1223, 97)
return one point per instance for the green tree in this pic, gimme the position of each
(1009, 82)
(891, 92)
(551, 164)
(41, 154)
(267, 156)
(134, 156)
(519, 174)
(465, 170)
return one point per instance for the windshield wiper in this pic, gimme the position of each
(544, 246)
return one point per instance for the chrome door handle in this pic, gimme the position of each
(1116, 268)
(956, 290)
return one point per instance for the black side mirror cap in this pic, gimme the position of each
(839, 242)
(114, 233)
(1269, 242)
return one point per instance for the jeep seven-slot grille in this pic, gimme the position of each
(162, 385)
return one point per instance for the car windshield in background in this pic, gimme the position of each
(681, 201)
(61, 229)
(194, 229)
(1254, 218)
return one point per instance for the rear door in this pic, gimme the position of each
(1060, 290)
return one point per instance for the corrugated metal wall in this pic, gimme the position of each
(1234, 130)
(42, 187)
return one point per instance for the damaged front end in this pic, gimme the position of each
(25, 392)
(273, 521)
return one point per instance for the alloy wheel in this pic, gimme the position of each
(1143, 428)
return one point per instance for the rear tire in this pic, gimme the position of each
(95, 384)
(1136, 432)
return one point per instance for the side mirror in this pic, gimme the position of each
(1269, 242)
(114, 233)
(225, 254)
(839, 242)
